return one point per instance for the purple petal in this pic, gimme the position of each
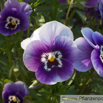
(97, 64)
(90, 3)
(63, 1)
(98, 38)
(83, 61)
(6, 101)
(25, 8)
(12, 4)
(56, 74)
(7, 12)
(32, 54)
(49, 31)
(20, 97)
(87, 33)
(6, 31)
(22, 88)
(67, 47)
(101, 7)
(24, 21)
(7, 93)
(11, 86)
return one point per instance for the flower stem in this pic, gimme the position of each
(1, 4)
(54, 13)
(68, 12)
(9, 52)
(84, 85)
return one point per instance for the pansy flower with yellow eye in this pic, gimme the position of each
(50, 52)
(14, 17)
(14, 92)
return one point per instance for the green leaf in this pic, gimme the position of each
(11, 69)
(40, 20)
(6, 81)
(82, 15)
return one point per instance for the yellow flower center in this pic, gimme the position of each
(52, 59)
(14, 100)
(13, 23)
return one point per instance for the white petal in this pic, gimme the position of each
(48, 32)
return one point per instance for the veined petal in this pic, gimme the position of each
(12, 4)
(32, 54)
(24, 21)
(98, 38)
(87, 33)
(19, 96)
(83, 62)
(25, 8)
(67, 47)
(5, 31)
(57, 74)
(11, 86)
(22, 88)
(49, 31)
(97, 64)
(7, 93)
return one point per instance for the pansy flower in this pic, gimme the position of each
(90, 52)
(14, 92)
(63, 1)
(90, 3)
(50, 52)
(14, 17)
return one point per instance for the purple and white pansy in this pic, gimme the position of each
(14, 92)
(50, 52)
(14, 17)
(90, 51)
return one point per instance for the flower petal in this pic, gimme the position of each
(7, 12)
(67, 47)
(49, 31)
(19, 96)
(56, 74)
(11, 86)
(32, 54)
(6, 31)
(24, 21)
(12, 4)
(83, 61)
(98, 38)
(7, 93)
(101, 7)
(7, 101)
(87, 33)
(25, 8)
(90, 3)
(97, 64)
(22, 88)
